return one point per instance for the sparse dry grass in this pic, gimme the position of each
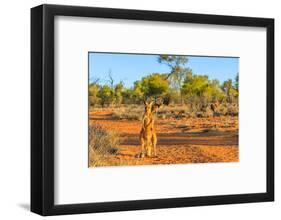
(128, 113)
(102, 142)
(135, 112)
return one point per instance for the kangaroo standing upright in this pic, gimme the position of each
(148, 138)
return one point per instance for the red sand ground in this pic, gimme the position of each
(190, 140)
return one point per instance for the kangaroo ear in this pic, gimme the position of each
(144, 102)
(148, 102)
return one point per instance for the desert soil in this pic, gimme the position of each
(180, 141)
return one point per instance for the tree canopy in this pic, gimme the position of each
(178, 86)
(154, 85)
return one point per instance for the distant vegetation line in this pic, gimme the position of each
(179, 86)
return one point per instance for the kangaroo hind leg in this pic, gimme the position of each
(154, 142)
(142, 153)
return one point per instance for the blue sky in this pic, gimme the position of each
(131, 67)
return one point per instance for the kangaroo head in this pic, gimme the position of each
(152, 106)
(148, 105)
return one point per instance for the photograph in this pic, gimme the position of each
(147, 109)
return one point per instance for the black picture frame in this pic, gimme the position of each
(42, 109)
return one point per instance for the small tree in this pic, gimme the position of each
(199, 91)
(118, 91)
(128, 96)
(138, 92)
(178, 71)
(93, 94)
(105, 95)
(154, 85)
(212, 92)
(230, 91)
(174, 96)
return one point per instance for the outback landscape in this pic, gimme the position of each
(193, 117)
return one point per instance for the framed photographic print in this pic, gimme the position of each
(136, 109)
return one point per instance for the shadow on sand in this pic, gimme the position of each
(213, 138)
